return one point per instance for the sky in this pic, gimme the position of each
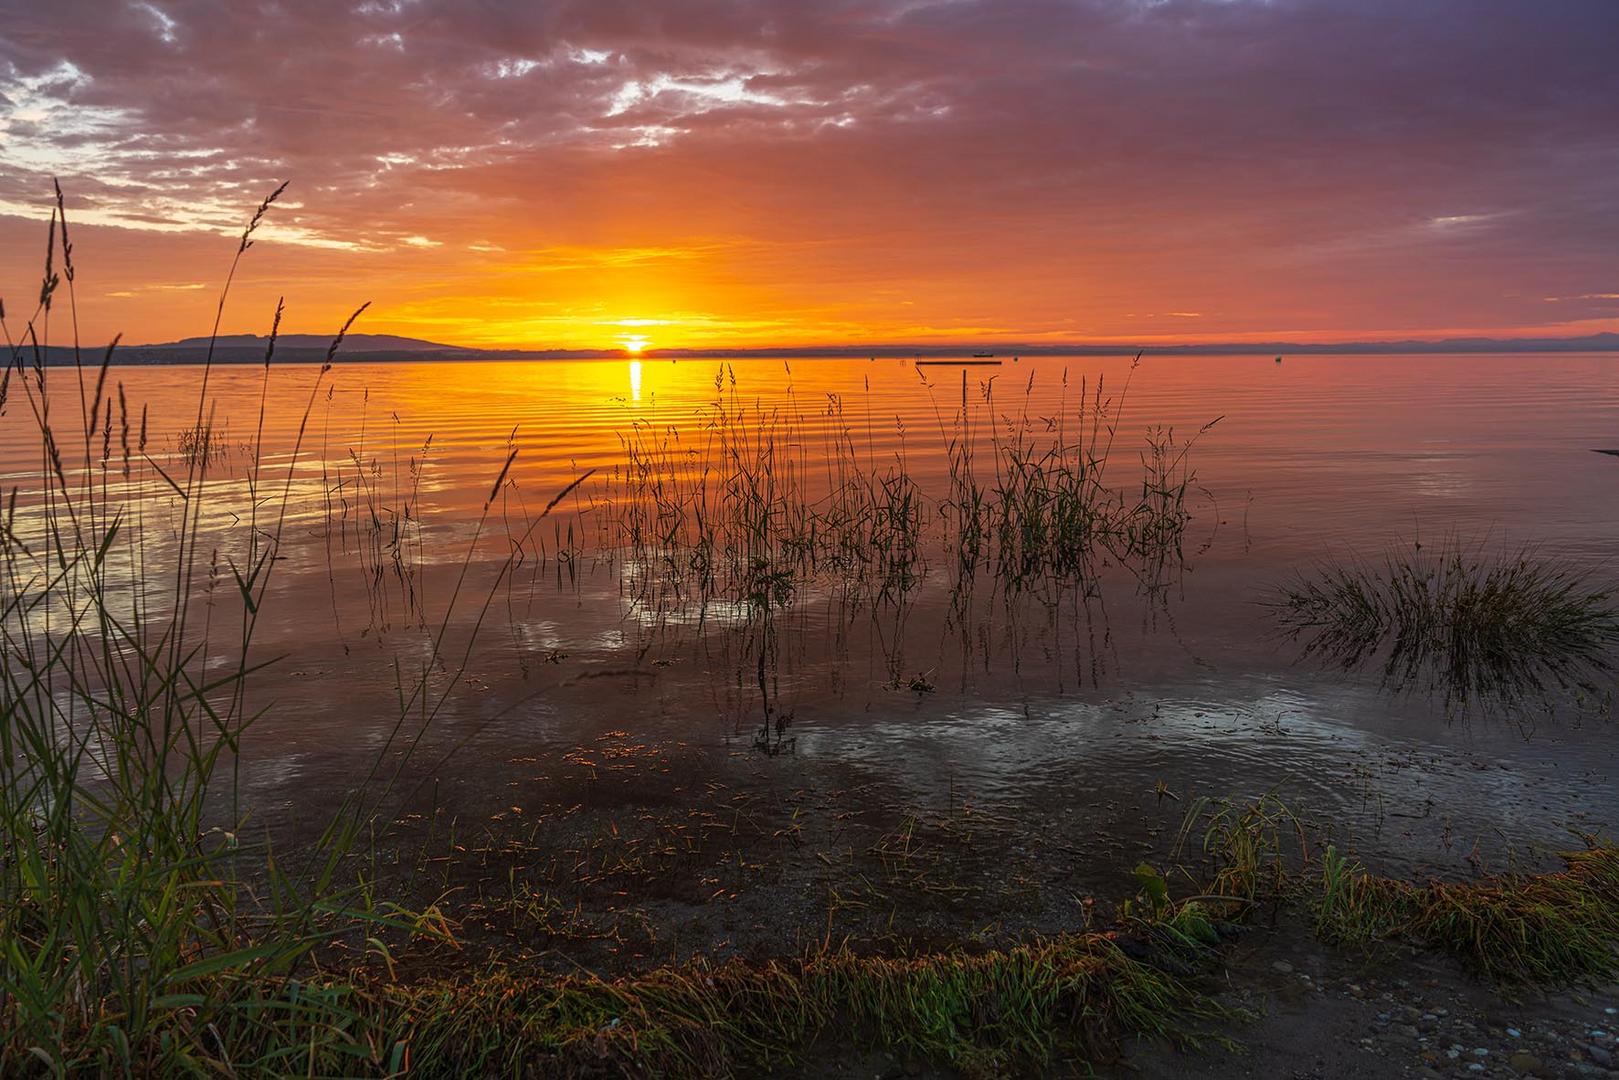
(819, 172)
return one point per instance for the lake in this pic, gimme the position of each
(585, 663)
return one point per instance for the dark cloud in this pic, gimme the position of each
(1049, 166)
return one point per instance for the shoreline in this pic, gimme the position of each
(1211, 985)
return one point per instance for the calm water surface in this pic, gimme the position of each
(1055, 705)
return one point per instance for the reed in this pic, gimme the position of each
(141, 930)
(370, 501)
(714, 509)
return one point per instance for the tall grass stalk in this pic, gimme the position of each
(140, 929)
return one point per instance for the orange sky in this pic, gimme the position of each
(754, 173)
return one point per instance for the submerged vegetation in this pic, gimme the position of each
(1503, 632)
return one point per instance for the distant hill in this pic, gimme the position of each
(312, 348)
(359, 342)
(290, 349)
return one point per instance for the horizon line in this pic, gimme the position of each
(1600, 341)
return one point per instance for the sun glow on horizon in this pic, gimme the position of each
(635, 344)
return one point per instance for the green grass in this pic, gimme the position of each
(140, 929)
(1548, 928)
(1553, 928)
(993, 1014)
(1011, 1011)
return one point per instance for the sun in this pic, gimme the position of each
(635, 344)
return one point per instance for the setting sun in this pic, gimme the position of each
(635, 345)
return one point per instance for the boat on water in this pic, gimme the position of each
(976, 362)
(983, 355)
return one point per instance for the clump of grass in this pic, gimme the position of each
(1550, 928)
(1050, 507)
(1553, 928)
(1504, 631)
(1248, 852)
(989, 1014)
(200, 445)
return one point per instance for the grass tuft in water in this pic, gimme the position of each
(1506, 631)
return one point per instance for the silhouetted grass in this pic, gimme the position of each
(140, 931)
(753, 493)
(1493, 631)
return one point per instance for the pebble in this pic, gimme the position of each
(1526, 1063)
(1446, 1042)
